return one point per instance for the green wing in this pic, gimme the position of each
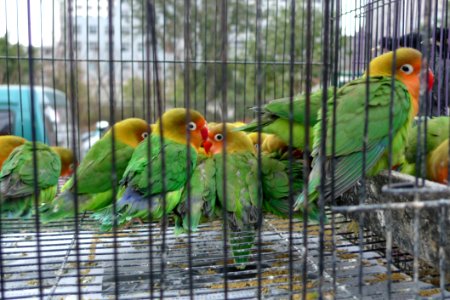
(241, 202)
(16, 178)
(275, 183)
(94, 172)
(136, 173)
(281, 107)
(17, 174)
(202, 196)
(275, 118)
(94, 183)
(137, 186)
(350, 132)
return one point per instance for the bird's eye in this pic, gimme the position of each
(407, 69)
(192, 126)
(218, 137)
(144, 135)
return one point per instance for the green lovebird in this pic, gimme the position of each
(202, 196)
(275, 118)
(350, 110)
(241, 203)
(94, 183)
(437, 132)
(143, 179)
(17, 179)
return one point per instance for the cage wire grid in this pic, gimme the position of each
(136, 58)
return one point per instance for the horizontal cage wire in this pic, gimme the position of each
(197, 149)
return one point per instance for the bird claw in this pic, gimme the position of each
(132, 222)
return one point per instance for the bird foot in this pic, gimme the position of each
(132, 222)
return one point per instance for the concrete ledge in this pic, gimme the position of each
(401, 221)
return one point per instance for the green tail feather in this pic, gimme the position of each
(18, 208)
(241, 246)
(63, 205)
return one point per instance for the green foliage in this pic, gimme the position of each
(14, 67)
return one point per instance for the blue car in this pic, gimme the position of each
(52, 120)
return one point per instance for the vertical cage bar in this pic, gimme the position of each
(307, 152)
(224, 61)
(187, 99)
(322, 154)
(290, 147)
(112, 118)
(259, 95)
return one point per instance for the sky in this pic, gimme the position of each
(16, 21)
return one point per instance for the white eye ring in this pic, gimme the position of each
(192, 126)
(256, 146)
(407, 69)
(218, 137)
(144, 135)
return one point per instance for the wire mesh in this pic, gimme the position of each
(71, 69)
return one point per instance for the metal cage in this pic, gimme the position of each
(70, 69)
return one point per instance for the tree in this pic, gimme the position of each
(206, 82)
(14, 67)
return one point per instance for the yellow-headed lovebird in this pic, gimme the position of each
(17, 179)
(137, 186)
(437, 132)
(7, 145)
(437, 163)
(350, 111)
(275, 118)
(241, 185)
(67, 158)
(94, 184)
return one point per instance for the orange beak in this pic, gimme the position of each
(430, 80)
(207, 146)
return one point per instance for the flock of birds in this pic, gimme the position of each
(178, 165)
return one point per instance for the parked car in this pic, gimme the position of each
(52, 117)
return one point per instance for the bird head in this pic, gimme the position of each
(236, 141)
(67, 160)
(11, 140)
(408, 64)
(254, 138)
(176, 124)
(7, 145)
(130, 131)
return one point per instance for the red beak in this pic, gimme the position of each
(204, 132)
(430, 80)
(207, 146)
